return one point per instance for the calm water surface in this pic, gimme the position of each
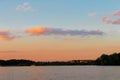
(60, 73)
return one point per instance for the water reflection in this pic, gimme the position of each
(60, 73)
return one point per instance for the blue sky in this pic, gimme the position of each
(57, 13)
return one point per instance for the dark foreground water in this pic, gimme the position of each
(60, 73)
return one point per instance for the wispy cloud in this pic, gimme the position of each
(25, 7)
(63, 32)
(41, 30)
(107, 20)
(116, 13)
(92, 14)
(57, 31)
(5, 35)
(9, 51)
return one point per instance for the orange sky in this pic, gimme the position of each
(50, 48)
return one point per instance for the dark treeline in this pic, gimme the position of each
(15, 62)
(113, 59)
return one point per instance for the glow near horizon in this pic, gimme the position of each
(74, 15)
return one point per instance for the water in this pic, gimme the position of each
(60, 73)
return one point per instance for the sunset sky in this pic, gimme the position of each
(50, 30)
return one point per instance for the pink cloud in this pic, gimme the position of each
(92, 14)
(108, 21)
(5, 35)
(117, 13)
(117, 21)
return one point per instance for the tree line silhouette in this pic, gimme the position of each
(104, 59)
(113, 59)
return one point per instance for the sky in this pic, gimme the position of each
(50, 30)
